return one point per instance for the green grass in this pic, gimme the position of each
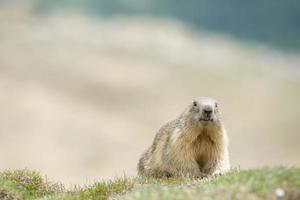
(237, 184)
(26, 184)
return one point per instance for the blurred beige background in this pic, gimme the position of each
(82, 97)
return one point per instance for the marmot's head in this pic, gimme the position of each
(204, 109)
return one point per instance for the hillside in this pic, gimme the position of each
(264, 183)
(76, 91)
(270, 22)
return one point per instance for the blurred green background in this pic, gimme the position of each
(85, 85)
(275, 22)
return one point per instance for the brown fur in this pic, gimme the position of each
(187, 147)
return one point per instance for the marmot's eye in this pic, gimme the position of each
(195, 103)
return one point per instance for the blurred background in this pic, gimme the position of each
(86, 84)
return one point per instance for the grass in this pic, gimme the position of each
(258, 184)
(25, 184)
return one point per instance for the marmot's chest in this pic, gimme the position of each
(206, 151)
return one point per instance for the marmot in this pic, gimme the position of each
(195, 144)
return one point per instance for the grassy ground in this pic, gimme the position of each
(263, 183)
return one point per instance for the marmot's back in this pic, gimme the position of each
(149, 163)
(194, 144)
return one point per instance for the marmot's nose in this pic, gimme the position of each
(207, 110)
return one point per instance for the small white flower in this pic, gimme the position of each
(279, 193)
